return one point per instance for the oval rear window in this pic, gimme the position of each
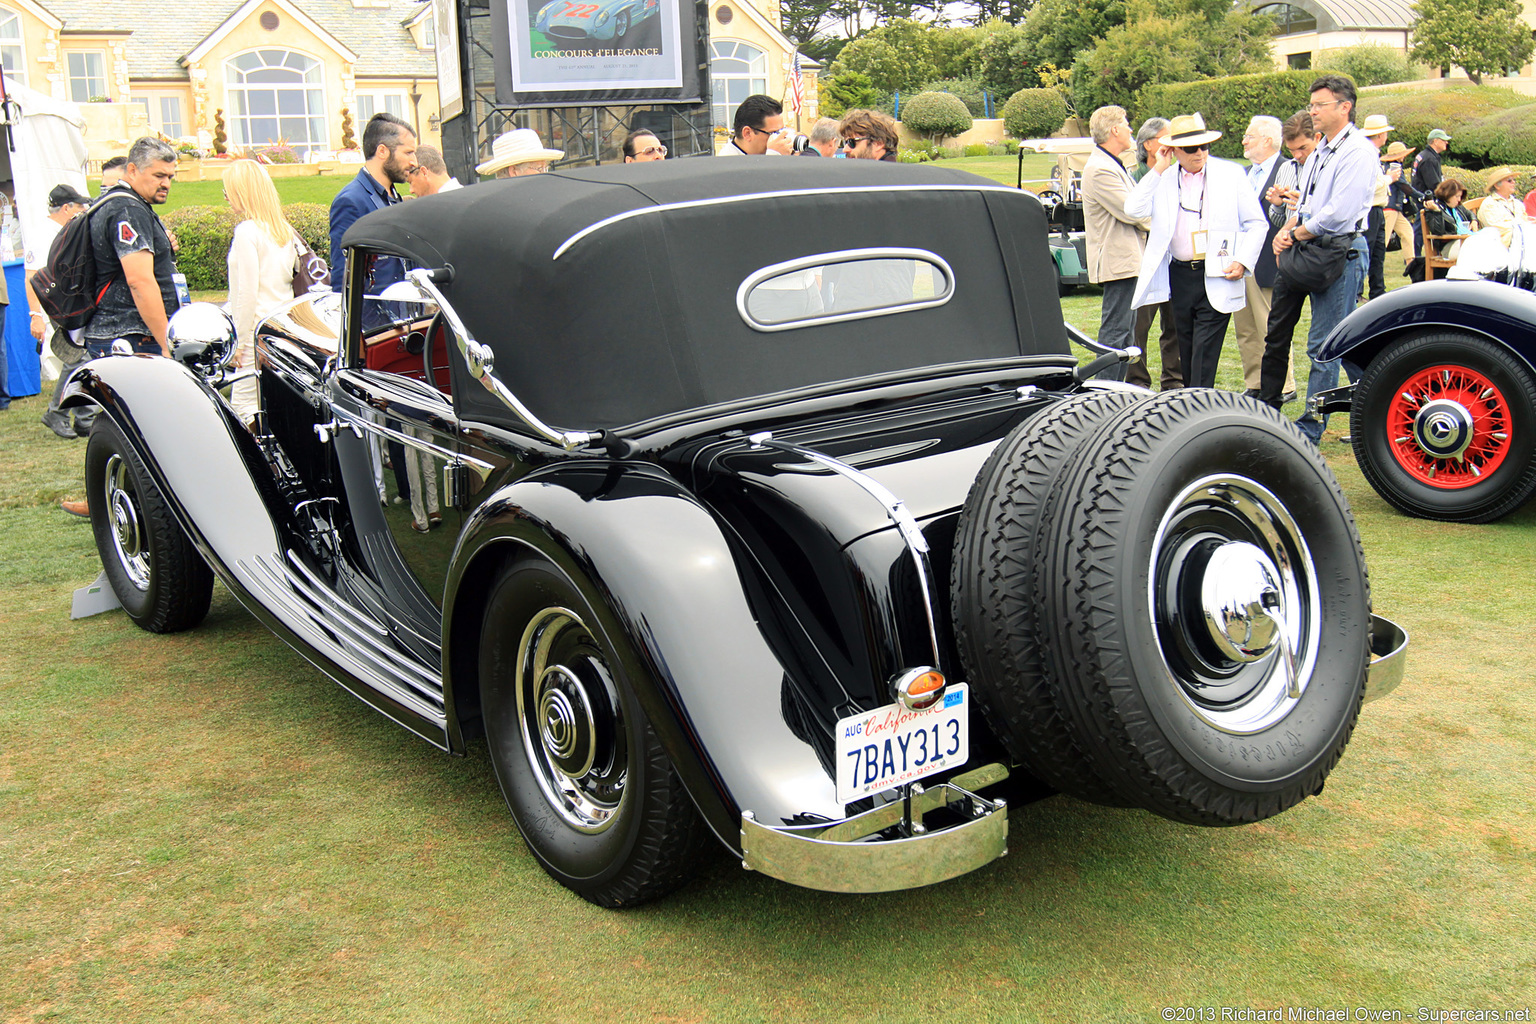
(847, 285)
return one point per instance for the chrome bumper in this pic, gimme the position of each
(1389, 657)
(845, 856)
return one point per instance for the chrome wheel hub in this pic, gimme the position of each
(1234, 602)
(128, 536)
(1443, 428)
(570, 719)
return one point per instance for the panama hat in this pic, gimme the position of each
(1498, 174)
(1188, 130)
(519, 146)
(1376, 124)
(1396, 152)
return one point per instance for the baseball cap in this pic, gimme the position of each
(1438, 133)
(64, 194)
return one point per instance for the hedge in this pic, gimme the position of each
(204, 233)
(1508, 137)
(936, 115)
(1476, 182)
(1034, 113)
(1412, 113)
(1227, 104)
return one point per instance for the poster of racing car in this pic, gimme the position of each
(565, 23)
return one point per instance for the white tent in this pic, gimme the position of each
(48, 149)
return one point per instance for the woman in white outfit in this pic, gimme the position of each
(262, 260)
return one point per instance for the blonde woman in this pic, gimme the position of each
(262, 260)
(1502, 209)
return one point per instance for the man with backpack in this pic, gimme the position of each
(137, 287)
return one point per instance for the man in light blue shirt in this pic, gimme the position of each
(1336, 187)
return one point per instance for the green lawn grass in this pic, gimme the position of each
(313, 188)
(200, 827)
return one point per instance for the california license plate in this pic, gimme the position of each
(891, 746)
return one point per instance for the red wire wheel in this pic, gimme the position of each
(1444, 426)
(1449, 426)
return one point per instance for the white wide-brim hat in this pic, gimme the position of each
(1187, 130)
(519, 146)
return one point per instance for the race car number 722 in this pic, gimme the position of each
(570, 10)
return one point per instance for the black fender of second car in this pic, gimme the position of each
(1495, 311)
(667, 586)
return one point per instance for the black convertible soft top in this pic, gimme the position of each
(609, 294)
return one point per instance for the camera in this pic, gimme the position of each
(801, 141)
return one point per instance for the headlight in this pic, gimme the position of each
(603, 17)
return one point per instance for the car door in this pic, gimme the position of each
(395, 432)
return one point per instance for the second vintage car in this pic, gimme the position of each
(757, 506)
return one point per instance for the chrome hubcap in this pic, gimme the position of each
(572, 728)
(1243, 608)
(1234, 603)
(128, 538)
(1443, 429)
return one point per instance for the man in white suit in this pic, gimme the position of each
(1207, 230)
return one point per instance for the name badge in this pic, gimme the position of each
(183, 293)
(1197, 243)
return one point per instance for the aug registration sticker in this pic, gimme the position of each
(892, 746)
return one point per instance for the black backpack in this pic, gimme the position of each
(67, 288)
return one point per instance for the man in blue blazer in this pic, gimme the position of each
(1206, 233)
(391, 147)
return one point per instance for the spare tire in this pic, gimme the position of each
(995, 590)
(1199, 548)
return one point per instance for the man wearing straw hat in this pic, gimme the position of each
(1335, 190)
(1399, 199)
(517, 153)
(1376, 129)
(1205, 237)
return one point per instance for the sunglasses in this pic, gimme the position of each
(1195, 149)
(654, 149)
(852, 142)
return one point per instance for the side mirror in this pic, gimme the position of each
(202, 338)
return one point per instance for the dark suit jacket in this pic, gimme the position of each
(361, 195)
(1264, 271)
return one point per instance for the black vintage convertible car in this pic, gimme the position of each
(715, 494)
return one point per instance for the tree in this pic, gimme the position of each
(846, 91)
(1063, 29)
(1367, 64)
(938, 115)
(896, 56)
(1171, 41)
(1482, 37)
(1005, 61)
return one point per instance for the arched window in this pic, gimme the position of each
(1289, 19)
(12, 53)
(277, 96)
(736, 71)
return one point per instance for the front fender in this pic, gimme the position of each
(1500, 312)
(187, 439)
(659, 573)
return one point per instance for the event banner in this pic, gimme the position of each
(566, 52)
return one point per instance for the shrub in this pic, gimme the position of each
(1508, 137)
(978, 149)
(1227, 104)
(1368, 64)
(348, 140)
(967, 90)
(936, 114)
(278, 153)
(220, 138)
(920, 150)
(1034, 113)
(1473, 181)
(1412, 113)
(204, 233)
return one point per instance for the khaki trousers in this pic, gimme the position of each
(1252, 323)
(1396, 222)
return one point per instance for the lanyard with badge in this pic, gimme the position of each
(1197, 237)
(1304, 205)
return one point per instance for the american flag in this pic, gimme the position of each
(796, 85)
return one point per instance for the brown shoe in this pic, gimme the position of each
(76, 508)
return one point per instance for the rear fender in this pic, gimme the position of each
(657, 569)
(1501, 313)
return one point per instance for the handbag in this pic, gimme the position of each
(1315, 263)
(310, 272)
